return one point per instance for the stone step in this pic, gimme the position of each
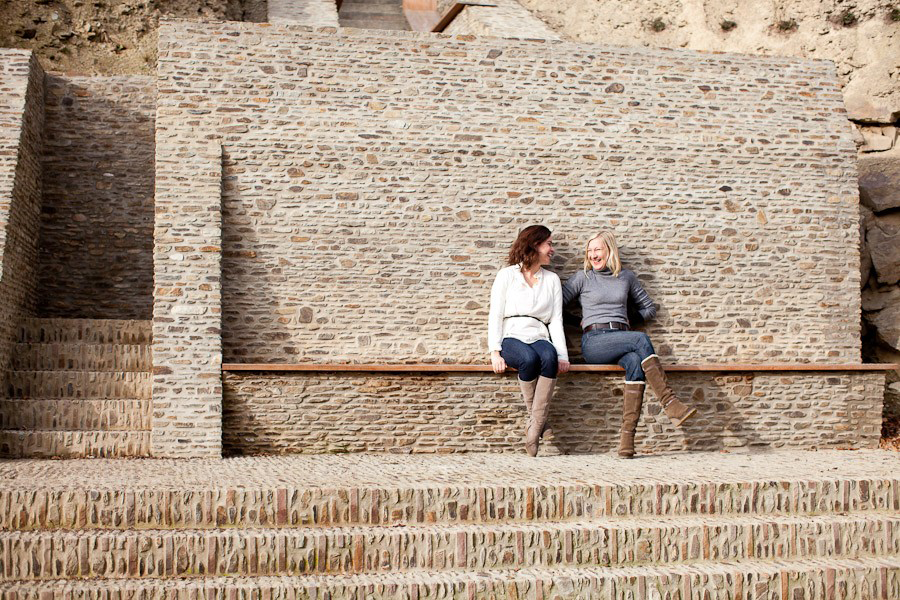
(346, 4)
(366, 550)
(373, 21)
(85, 331)
(79, 384)
(82, 357)
(75, 414)
(74, 444)
(380, 26)
(375, 11)
(360, 489)
(875, 578)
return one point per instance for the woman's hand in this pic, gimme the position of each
(497, 362)
(564, 366)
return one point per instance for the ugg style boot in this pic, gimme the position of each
(527, 388)
(631, 413)
(543, 391)
(677, 412)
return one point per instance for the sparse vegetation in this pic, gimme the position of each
(727, 25)
(895, 14)
(848, 18)
(657, 24)
(786, 25)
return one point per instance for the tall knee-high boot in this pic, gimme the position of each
(527, 388)
(543, 392)
(631, 413)
(677, 412)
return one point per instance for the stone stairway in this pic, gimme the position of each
(789, 525)
(373, 14)
(78, 388)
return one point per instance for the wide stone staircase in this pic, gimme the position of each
(78, 388)
(373, 14)
(790, 525)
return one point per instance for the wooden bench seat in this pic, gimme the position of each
(576, 368)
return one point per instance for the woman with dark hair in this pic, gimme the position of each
(525, 326)
(604, 289)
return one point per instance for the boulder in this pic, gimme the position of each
(887, 323)
(883, 240)
(879, 180)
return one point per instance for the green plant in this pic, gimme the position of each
(787, 25)
(895, 14)
(848, 18)
(657, 24)
(727, 25)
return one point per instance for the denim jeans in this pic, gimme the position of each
(613, 346)
(530, 360)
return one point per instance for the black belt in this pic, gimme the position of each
(528, 317)
(610, 325)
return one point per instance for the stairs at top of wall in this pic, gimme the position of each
(78, 388)
(373, 14)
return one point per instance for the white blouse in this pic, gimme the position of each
(512, 297)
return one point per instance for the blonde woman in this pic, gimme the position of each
(604, 289)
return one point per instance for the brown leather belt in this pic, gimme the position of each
(611, 325)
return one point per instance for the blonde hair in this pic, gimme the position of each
(613, 263)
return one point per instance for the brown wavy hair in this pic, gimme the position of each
(524, 250)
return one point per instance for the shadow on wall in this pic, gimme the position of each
(96, 240)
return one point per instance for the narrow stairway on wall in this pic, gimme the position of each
(373, 14)
(78, 388)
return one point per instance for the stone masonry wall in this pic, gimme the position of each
(345, 412)
(315, 13)
(373, 182)
(21, 126)
(187, 335)
(96, 258)
(507, 19)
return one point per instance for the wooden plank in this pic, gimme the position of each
(485, 368)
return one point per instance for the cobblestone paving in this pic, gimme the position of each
(362, 470)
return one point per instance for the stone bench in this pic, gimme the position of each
(445, 408)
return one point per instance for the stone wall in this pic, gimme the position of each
(346, 412)
(187, 335)
(96, 256)
(369, 197)
(315, 13)
(21, 117)
(507, 19)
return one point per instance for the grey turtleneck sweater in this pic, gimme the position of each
(604, 298)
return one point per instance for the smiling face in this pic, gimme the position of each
(545, 251)
(598, 254)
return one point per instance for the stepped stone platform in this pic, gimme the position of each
(789, 524)
(78, 388)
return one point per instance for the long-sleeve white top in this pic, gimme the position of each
(520, 311)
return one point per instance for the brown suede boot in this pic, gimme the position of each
(540, 409)
(677, 412)
(631, 413)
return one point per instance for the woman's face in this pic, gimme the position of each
(598, 254)
(545, 251)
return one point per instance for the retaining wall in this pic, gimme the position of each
(21, 129)
(357, 412)
(372, 182)
(96, 256)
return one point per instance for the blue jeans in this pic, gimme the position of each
(613, 346)
(530, 360)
